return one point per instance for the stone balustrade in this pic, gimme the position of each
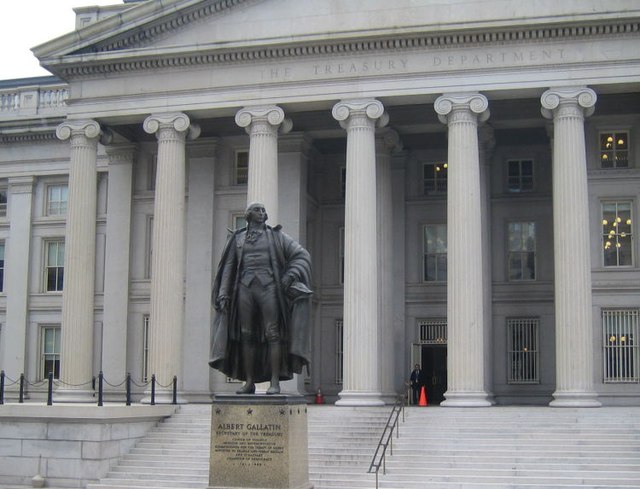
(31, 100)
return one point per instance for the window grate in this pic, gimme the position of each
(522, 351)
(433, 332)
(620, 344)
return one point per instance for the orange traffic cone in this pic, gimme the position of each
(423, 397)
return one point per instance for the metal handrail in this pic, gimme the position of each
(386, 440)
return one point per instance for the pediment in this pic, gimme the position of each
(205, 31)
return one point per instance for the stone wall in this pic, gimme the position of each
(69, 445)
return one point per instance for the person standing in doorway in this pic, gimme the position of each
(415, 382)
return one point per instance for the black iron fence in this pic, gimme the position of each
(22, 383)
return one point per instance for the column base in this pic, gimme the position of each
(575, 399)
(82, 396)
(359, 399)
(466, 399)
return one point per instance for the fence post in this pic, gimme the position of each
(21, 395)
(153, 389)
(128, 389)
(100, 387)
(2, 387)
(50, 390)
(175, 389)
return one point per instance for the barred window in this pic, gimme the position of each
(614, 149)
(339, 350)
(433, 331)
(522, 351)
(435, 253)
(434, 177)
(620, 344)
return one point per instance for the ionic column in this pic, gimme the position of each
(465, 285)
(361, 385)
(262, 124)
(117, 259)
(168, 244)
(76, 355)
(387, 140)
(574, 327)
(16, 279)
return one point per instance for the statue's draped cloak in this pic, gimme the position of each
(287, 258)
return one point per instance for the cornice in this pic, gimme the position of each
(149, 33)
(29, 137)
(104, 61)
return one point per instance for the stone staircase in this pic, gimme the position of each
(485, 448)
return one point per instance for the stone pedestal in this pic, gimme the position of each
(259, 442)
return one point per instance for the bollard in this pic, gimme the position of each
(100, 387)
(128, 389)
(21, 395)
(153, 389)
(50, 390)
(175, 389)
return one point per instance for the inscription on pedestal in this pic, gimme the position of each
(259, 444)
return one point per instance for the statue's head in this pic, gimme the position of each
(256, 212)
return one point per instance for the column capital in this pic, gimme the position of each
(388, 139)
(577, 97)
(269, 114)
(370, 108)
(474, 103)
(176, 121)
(88, 128)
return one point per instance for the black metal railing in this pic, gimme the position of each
(386, 439)
(6, 381)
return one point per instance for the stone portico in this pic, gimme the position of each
(340, 112)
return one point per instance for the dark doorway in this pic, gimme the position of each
(434, 369)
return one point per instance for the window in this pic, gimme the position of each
(614, 149)
(1, 266)
(339, 350)
(435, 253)
(433, 332)
(522, 351)
(434, 177)
(241, 168)
(57, 200)
(3, 201)
(520, 175)
(522, 251)
(54, 268)
(50, 351)
(149, 247)
(145, 348)
(341, 254)
(238, 221)
(617, 244)
(620, 344)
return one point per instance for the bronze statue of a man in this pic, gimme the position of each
(262, 297)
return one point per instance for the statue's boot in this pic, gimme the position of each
(248, 356)
(247, 388)
(274, 355)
